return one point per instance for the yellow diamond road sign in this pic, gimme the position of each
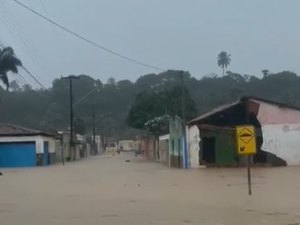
(246, 135)
(246, 143)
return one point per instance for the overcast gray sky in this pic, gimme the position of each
(171, 34)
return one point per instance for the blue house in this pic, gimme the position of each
(25, 147)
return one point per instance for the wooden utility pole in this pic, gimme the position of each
(94, 152)
(72, 145)
(183, 108)
(182, 96)
(248, 157)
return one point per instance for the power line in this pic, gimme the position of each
(43, 6)
(33, 77)
(15, 28)
(22, 80)
(11, 26)
(86, 39)
(2, 44)
(85, 96)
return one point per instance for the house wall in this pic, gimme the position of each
(126, 145)
(147, 146)
(80, 150)
(52, 145)
(88, 149)
(193, 145)
(98, 144)
(58, 150)
(66, 146)
(39, 144)
(111, 147)
(176, 142)
(281, 131)
(51, 148)
(274, 114)
(164, 149)
(225, 149)
(283, 140)
(138, 145)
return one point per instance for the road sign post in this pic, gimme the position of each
(249, 174)
(246, 145)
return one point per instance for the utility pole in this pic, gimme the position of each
(94, 152)
(183, 108)
(182, 97)
(72, 145)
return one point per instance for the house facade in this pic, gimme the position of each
(164, 156)
(281, 130)
(178, 154)
(277, 130)
(25, 147)
(193, 145)
(126, 145)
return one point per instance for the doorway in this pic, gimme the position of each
(208, 147)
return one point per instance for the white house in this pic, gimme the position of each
(126, 145)
(164, 156)
(193, 140)
(25, 147)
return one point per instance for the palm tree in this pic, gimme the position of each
(265, 72)
(223, 60)
(8, 62)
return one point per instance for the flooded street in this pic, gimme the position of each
(107, 190)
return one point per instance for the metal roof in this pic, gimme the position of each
(214, 111)
(241, 100)
(7, 129)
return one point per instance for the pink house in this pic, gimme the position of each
(277, 129)
(280, 125)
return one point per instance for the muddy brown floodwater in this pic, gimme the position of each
(107, 190)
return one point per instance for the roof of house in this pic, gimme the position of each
(279, 104)
(216, 110)
(15, 130)
(241, 100)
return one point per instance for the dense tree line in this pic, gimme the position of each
(112, 100)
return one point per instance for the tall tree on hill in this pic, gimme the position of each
(149, 105)
(111, 82)
(8, 62)
(265, 72)
(224, 60)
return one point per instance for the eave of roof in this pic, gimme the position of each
(214, 111)
(241, 100)
(11, 130)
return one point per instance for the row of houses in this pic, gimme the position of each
(210, 139)
(112, 144)
(25, 147)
